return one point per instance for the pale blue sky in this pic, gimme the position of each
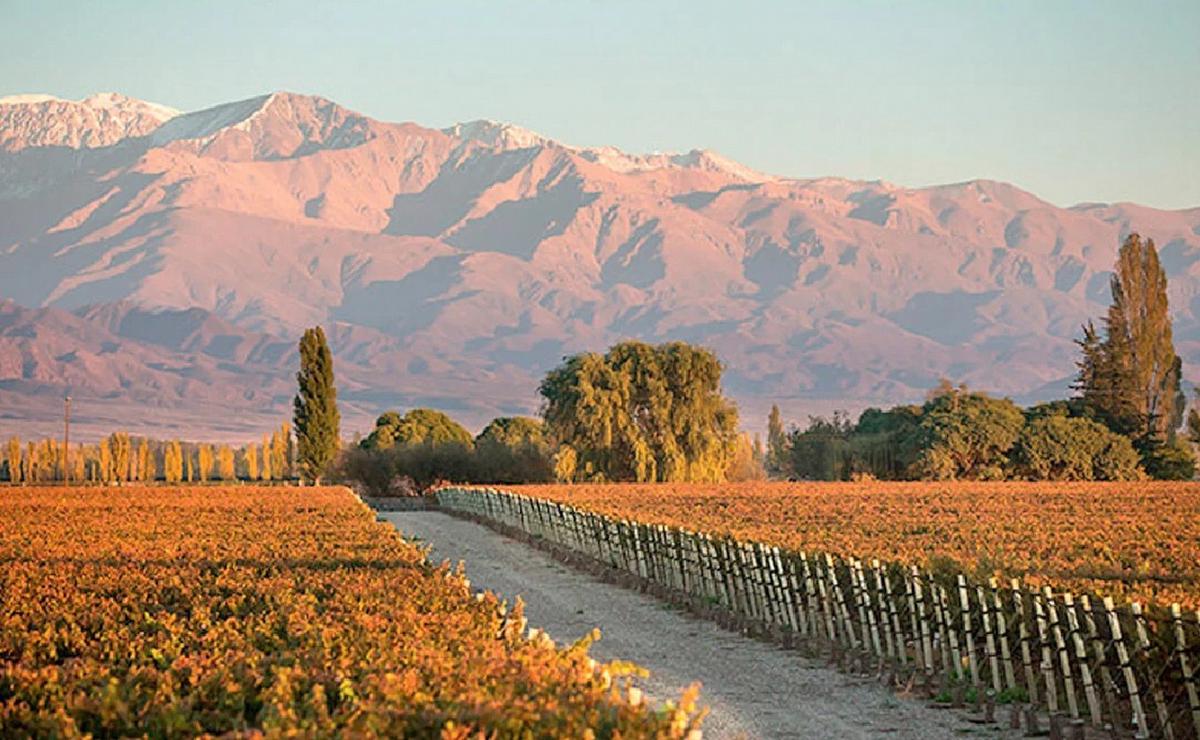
(1076, 101)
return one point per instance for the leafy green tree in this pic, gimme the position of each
(642, 413)
(1059, 447)
(418, 426)
(777, 453)
(316, 413)
(1170, 460)
(1130, 380)
(886, 444)
(513, 449)
(821, 451)
(967, 435)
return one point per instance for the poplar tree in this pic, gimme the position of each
(14, 460)
(266, 472)
(316, 414)
(173, 462)
(204, 458)
(1130, 379)
(121, 449)
(250, 455)
(225, 467)
(776, 443)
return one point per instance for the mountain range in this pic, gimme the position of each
(159, 267)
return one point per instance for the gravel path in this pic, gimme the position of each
(753, 689)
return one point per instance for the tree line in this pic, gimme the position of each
(124, 458)
(1126, 420)
(637, 412)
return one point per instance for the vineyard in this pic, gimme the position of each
(233, 611)
(1135, 541)
(1077, 657)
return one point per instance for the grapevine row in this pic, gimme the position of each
(1085, 662)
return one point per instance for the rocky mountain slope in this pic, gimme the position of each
(453, 267)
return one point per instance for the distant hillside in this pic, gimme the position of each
(453, 267)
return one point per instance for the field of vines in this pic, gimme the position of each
(1133, 541)
(238, 610)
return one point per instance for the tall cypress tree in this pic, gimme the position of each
(316, 413)
(1131, 379)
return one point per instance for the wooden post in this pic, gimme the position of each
(920, 630)
(1131, 685)
(968, 631)
(1060, 646)
(949, 631)
(1081, 662)
(989, 638)
(1099, 655)
(1026, 638)
(1185, 665)
(1010, 680)
(1047, 656)
(1143, 642)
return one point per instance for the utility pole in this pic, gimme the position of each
(67, 439)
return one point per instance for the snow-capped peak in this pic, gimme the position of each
(496, 134)
(279, 125)
(27, 99)
(103, 119)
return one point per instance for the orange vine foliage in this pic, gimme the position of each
(1139, 541)
(239, 611)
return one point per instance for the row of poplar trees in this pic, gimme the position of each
(121, 458)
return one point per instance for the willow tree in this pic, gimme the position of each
(316, 412)
(642, 413)
(1130, 379)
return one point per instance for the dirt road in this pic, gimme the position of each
(753, 689)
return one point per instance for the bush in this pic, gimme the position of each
(1171, 461)
(1058, 447)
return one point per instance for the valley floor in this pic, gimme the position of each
(753, 689)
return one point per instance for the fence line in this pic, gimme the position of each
(1089, 664)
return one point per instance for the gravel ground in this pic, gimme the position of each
(753, 689)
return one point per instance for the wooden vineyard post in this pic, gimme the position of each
(989, 638)
(839, 599)
(858, 602)
(832, 619)
(920, 627)
(1135, 699)
(1060, 646)
(1047, 656)
(968, 631)
(949, 633)
(816, 585)
(897, 645)
(1081, 662)
(1143, 642)
(868, 604)
(1185, 666)
(1026, 638)
(796, 592)
(1099, 655)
